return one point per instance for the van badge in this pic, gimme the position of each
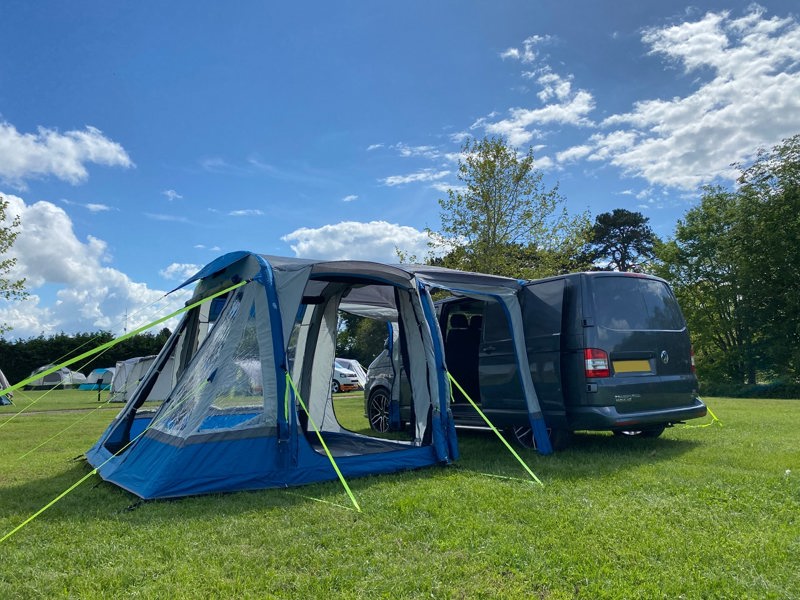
(664, 357)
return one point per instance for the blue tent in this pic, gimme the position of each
(98, 379)
(253, 372)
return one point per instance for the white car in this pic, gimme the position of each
(344, 380)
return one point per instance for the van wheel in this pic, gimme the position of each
(378, 410)
(523, 436)
(652, 432)
(335, 387)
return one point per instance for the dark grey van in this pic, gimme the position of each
(610, 351)
(607, 351)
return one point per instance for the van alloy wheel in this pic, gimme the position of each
(523, 436)
(378, 411)
(335, 387)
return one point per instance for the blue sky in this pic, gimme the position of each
(138, 141)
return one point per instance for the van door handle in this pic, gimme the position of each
(489, 349)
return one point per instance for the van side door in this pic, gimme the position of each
(501, 389)
(542, 317)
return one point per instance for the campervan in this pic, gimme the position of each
(606, 351)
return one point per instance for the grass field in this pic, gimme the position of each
(699, 513)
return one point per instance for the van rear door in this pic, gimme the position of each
(637, 321)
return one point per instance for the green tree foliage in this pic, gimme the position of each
(503, 219)
(622, 240)
(702, 263)
(360, 338)
(10, 289)
(19, 358)
(770, 256)
(735, 266)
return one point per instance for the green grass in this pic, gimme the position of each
(698, 513)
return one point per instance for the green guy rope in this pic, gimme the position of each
(121, 338)
(67, 428)
(22, 410)
(493, 428)
(70, 488)
(714, 419)
(324, 445)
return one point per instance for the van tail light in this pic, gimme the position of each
(691, 354)
(596, 363)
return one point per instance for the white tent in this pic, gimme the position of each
(5, 398)
(131, 371)
(63, 378)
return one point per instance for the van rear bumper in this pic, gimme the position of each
(607, 417)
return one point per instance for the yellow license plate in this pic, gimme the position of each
(631, 366)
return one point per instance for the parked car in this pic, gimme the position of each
(607, 351)
(351, 364)
(344, 380)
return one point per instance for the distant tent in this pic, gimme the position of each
(62, 378)
(131, 371)
(5, 399)
(228, 426)
(356, 367)
(93, 381)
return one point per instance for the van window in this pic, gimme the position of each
(635, 303)
(541, 311)
(495, 323)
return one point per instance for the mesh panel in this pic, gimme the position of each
(222, 389)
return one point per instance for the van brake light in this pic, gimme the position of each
(596, 363)
(691, 354)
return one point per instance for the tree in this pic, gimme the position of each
(770, 261)
(503, 220)
(622, 241)
(735, 266)
(21, 357)
(10, 289)
(360, 338)
(703, 265)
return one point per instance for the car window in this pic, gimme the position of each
(635, 303)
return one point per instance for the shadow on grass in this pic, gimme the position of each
(590, 455)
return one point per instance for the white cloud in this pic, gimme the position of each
(574, 153)
(751, 99)
(350, 198)
(407, 151)
(167, 218)
(50, 153)
(424, 175)
(179, 271)
(443, 187)
(372, 147)
(528, 53)
(561, 106)
(172, 195)
(88, 294)
(92, 207)
(376, 240)
(511, 53)
(247, 212)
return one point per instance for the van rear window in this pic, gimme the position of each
(635, 303)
